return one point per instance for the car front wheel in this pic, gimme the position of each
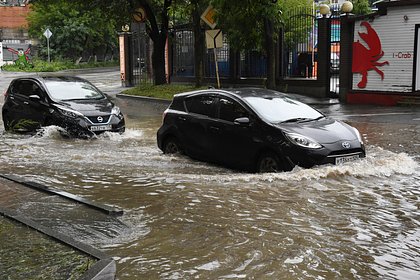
(171, 146)
(6, 122)
(268, 163)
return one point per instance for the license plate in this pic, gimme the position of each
(341, 160)
(100, 127)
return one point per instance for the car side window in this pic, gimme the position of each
(202, 104)
(230, 110)
(26, 88)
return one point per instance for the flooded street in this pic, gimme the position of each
(185, 219)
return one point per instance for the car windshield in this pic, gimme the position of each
(72, 90)
(282, 109)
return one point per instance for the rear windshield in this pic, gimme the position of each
(72, 90)
(281, 109)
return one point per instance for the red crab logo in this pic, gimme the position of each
(365, 59)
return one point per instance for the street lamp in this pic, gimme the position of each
(347, 7)
(324, 10)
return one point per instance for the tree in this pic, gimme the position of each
(197, 8)
(75, 29)
(361, 7)
(157, 28)
(254, 25)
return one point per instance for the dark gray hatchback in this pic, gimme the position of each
(68, 102)
(255, 130)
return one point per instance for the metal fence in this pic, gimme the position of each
(141, 58)
(300, 43)
(223, 60)
(183, 52)
(252, 63)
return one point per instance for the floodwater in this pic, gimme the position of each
(185, 219)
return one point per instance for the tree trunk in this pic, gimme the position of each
(199, 48)
(158, 60)
(270, 50)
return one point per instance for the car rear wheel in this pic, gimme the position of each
(171, 146)
(268, 163)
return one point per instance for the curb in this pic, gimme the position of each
(145, 98)
(103, 208)
(105, 268)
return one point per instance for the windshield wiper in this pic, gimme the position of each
(321, 117)
(302, 120)
(296, 120)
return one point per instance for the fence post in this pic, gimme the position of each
(234, 65)
(346, 55)
(324, 54)
(126, 58)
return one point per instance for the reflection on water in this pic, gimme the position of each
(186, 219)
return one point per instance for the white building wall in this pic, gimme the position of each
(397, 37)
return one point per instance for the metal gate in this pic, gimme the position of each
(300, 42)
(141, 58)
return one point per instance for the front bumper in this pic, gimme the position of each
(82, 126)
(328, 154)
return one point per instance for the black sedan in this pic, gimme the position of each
(68, 102)
(256, 130)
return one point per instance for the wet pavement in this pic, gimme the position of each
(185, 219)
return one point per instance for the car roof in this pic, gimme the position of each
(51, 77)
(238, 92)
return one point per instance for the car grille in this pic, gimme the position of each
(345, 152)
(94, 119)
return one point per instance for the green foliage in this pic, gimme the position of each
(75, 29)
(53, 66)
(161, 91)
(243, 21)
(361, 7)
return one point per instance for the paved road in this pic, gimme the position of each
(108, 80)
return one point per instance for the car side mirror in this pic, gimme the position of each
(242, 121)
(34, 97)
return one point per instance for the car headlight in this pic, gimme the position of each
(69, 112)
(303, 141)
(116, 111)
(358, 135)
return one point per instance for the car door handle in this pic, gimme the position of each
(215, 128)
(26, 102)
(182, 119)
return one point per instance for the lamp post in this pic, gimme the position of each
(324, 10)
(347, 7)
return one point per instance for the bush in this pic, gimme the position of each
(38, 65)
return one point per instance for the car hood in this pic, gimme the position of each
(323, 131)
(89, 106)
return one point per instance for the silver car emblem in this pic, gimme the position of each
(346, 145)
(100, 119)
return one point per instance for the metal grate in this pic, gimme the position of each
(142, 70)
(300, 42)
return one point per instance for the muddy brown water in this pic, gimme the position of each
(186, 219)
